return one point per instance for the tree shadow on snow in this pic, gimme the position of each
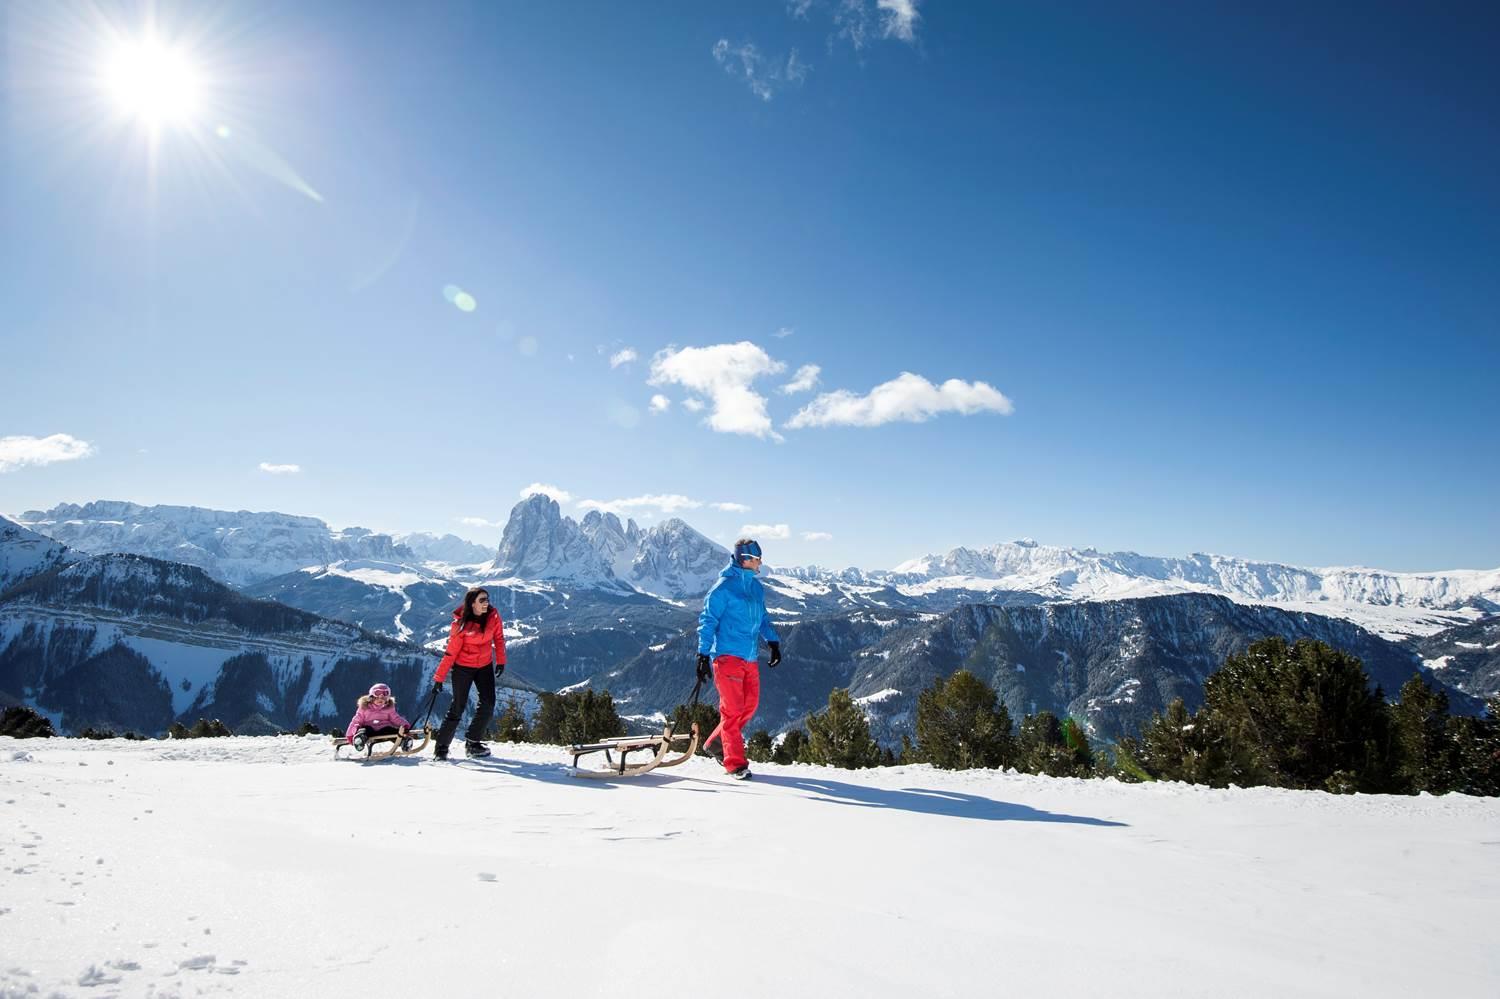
(925, 801)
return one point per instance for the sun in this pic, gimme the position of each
(155, 83)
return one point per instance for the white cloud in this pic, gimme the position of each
(561, 495)
(783, 333)
(908, 398)
(816, 536)
(479, 522)
(663, 503)
(692, 405)
(796, 70)
(854, 20)
(622, 357)
(271, 469)
(764, 76)
(16, 452)
(805, 378)
(798, 8)
(774, 532)
(660, 403)
(731, 507)
(899, 19)
(724, 373)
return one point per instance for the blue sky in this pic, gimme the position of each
(1197, 278)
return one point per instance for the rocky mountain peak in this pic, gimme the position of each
(540, 543)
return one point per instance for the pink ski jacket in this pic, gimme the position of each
(369, 715)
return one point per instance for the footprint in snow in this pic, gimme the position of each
(486, 876)
(197, 963)
(97, 976)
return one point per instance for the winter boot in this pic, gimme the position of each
(716, 751)
(473, 748)
(440, 752)
(358, 742)
(741, 772)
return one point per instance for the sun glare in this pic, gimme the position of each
(152, 82)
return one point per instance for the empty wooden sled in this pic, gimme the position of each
(659, 746)
(391, 746)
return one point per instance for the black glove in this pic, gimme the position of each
(705, 671)
(437, 686)
(775, 654)
(499, 670)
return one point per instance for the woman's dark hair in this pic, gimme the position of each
(469, 616)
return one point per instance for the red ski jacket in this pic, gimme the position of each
(472, 646)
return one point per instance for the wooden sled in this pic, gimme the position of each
(392, 742)
(660, 746)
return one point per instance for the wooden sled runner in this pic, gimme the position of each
(658, 745)
(391, 745)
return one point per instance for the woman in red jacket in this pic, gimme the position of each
(476, 654)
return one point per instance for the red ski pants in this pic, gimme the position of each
(738, 682)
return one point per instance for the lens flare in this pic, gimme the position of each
(459, 298)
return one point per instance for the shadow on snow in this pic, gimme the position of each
(923, 801)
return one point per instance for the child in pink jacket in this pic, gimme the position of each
(377, 715)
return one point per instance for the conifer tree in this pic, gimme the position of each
(21, 722)
(707, 717)
(909, 752)
(511, 725)
(1043, 747)
(758, 747)
(206, 729)
(547, 726)
(1420, 719)
(589, 716)
(1178, 746)
(1476, 751)
(840, 735)
(962, 725)
(1300, 716)
(792, 748)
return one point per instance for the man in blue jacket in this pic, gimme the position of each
(730, 629)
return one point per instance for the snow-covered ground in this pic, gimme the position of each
(262, 867)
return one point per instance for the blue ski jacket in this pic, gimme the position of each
(734, 616)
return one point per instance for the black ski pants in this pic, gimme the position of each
(481, 678)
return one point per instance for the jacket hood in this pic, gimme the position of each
(365, 701)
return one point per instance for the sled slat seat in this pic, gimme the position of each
(626, 744)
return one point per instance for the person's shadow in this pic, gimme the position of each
(924, 801)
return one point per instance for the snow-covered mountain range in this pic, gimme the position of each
(234, 547)
(674, 562)
(1406, 602)
(24, 553)
(612, 604)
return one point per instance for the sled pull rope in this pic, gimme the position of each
(692, 703)
(431, 703)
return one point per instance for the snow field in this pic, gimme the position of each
(263, 867)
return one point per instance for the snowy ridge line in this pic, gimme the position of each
(205, 635)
